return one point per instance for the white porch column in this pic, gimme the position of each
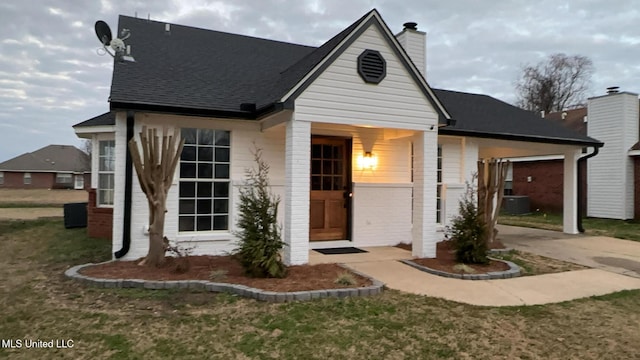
(570, 192)
(296, 200)
(425, 149)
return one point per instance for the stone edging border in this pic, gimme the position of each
(514, 271)
(237, 289)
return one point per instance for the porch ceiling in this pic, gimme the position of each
(493, 148)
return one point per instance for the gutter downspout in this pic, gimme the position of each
(128, 173)
(580, 187)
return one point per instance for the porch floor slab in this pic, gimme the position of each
(380, 253)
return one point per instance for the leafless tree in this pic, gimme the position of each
(555, 84)
(491, 177)
(155, 168)
(87, 146)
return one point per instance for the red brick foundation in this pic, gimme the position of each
(99, 219)
(546, 188)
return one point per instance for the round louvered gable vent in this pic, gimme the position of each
(371, 66)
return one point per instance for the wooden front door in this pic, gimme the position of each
(330, 188)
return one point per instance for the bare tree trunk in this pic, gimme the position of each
(155, 169)
(482, 191)
(491, 177)
(157, 248)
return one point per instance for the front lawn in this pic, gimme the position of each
(622, 229)
(39, 303)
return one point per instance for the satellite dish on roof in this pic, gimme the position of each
(119, 50)
(103, 31)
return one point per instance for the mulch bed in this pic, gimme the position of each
(445, 259)
(226, 269)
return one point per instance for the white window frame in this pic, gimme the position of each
(26, 178)
(63, 176)
(508, 180)
(1, 177)
(191, 203)
(106, 173)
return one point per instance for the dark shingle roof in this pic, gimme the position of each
(200, 69)
(189, 69)
(574, 119)
(106, 119)
(204, 72)
(51, 158)
(483, 116)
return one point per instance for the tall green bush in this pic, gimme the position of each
(468, 231)
(260, 242)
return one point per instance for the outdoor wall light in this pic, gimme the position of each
(368, 161)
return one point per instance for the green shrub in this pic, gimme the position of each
(468, 232)
(260, 242)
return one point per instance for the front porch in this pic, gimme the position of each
(348, 185)
(406, 191)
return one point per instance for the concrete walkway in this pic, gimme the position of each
(599, 252)
(381, 263)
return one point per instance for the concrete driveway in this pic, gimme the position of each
(600, 252)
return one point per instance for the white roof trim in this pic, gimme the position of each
(95, 129)
(375, 14)
(634, 152)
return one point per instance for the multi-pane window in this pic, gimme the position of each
(439, 187)
(204, 180)
(26, 179)
(63, 178)
(327, 166)
(106, 168)
(1, 178)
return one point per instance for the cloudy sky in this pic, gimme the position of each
(51, 76)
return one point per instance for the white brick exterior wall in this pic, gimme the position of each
(424, 232)
(570, 192)
(381, 214)
(296, 205)
(459, 163)
(244, 134)
(119, 180)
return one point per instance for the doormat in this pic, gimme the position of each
(343, 250)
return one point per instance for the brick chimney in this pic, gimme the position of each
(414, 43)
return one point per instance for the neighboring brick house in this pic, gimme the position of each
(51, 167)
(362, 151)
(611, 180)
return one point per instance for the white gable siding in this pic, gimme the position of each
(613, 119)
(340, 96)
